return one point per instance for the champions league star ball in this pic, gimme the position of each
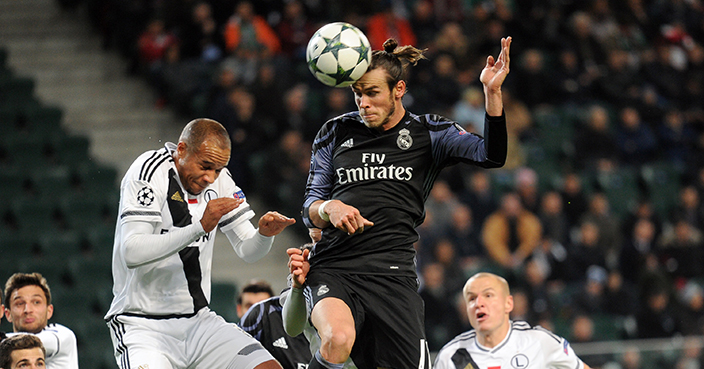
(338, 54)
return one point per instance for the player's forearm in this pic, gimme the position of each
(248, 243)
(294, 312)
(493, 102)
(142, 247)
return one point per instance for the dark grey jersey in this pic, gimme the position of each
(387, 176)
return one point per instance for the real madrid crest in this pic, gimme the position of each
(404, 140)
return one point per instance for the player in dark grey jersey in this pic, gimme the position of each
(370, 174)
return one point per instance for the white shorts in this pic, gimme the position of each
(203, 341)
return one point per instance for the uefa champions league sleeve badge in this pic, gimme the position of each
(404, 140)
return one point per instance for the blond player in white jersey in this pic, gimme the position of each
(172, 201)
(497, 342)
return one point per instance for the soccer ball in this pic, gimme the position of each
(338, 54)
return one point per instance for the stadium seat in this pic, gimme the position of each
(34, 217)
(27, 152)
(80, 212)
(16, 90)
(12, 184)
(51, 184)
(73, 150)
(60, 246)
(620, 187)
(662, 185)
(556, 133)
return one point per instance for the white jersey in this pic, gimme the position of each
(177, 285)
(60, 345)
(524, 347)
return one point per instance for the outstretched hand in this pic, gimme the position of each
(495, 71)
(272, 223)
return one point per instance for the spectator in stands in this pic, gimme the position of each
(643, 210)
(469, 110)
(588, 250)
(619, 84)
(531, 80)
(479, 196)
(200, 37)
(423, 22)
(152, 45)
(639, 245)
(620, 296)
(691, 297)
(29, 309)
(526, 186)
(553, 219)
(442, 202)
(609, 226)
(249, 40)
(582, 331)
(689, 207)
(463, 232)
(636, 141)
(22, 351)
(511, 233)
(250, 132)
(444, 91)
(594, 140)
(385, 24)
(440, 317)
(573, 198)
(676, 138)
(294, 30)
(252, 292)
(581, 39)
(591, 299)
(445, 253)
(296, 114)
(682, 250)
(572, 84)
(658, 318)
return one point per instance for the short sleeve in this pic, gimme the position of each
(140, 201)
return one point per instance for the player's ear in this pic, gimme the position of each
(509, 304)
(49, 311)
(400, 89)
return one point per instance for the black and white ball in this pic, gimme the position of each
(338, 54)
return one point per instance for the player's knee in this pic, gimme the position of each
(339, 340)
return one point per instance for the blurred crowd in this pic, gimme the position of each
(598, 211)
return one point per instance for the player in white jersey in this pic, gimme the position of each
(29, 309)
(172, 201)
(497, 342)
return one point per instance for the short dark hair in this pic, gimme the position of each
(201, 129)
(17, 342)
(19, 280)
(255, 286)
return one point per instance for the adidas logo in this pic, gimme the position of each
(281, 343)
(348, 143)
(177, 197)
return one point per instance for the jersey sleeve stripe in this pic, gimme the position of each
(140, 213)
(151, 173)
(234, 217)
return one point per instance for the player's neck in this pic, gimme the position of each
(394, 119)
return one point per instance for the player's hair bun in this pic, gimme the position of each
(390, 45)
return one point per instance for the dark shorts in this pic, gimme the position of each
(388, 314)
